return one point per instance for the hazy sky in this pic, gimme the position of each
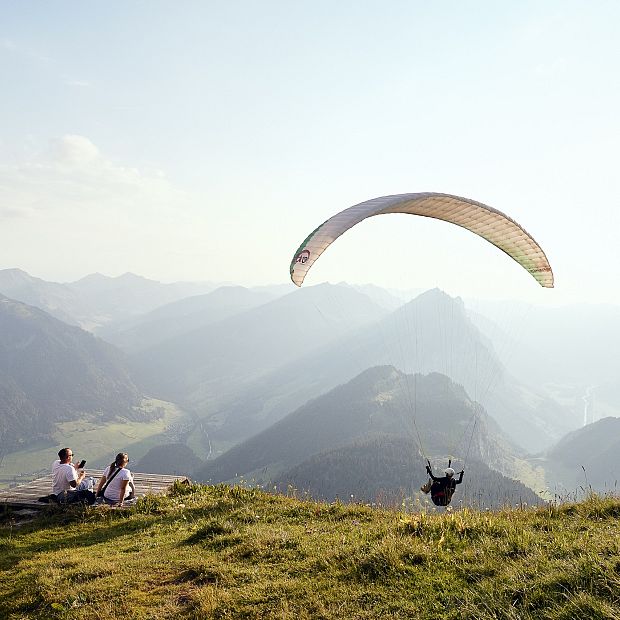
(204, 140)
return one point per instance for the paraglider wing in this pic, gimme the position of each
(490, 224)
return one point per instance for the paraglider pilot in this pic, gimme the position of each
(441, 489)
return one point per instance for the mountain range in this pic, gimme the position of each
(243, 361)
(364, 437)
(51, 372)
(205, 364)
(95, 299)
(181, 317)
(431, 333)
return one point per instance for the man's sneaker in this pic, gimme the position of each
(425, 488)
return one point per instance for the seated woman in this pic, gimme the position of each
(116, 485)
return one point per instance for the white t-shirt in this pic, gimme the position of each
(113, 490)
(62, 475)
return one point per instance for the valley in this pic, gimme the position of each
(234, 372)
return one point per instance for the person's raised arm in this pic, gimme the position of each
(429, 471)
(75, 478)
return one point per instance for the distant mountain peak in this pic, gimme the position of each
(15, 270)
(97, 278)
(15, 275)
(374, 373)
(435, 300)
(325, 286)
(92, 279)
(438, 294)
(129, 276)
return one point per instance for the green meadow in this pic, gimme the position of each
(231, 552)
(94, 441)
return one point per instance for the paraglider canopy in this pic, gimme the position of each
(490, 224)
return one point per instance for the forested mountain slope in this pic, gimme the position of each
(432, 333)
(379, 420)
(388, 470)
(51, 371)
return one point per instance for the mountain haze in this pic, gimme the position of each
(95, 299)
(202, 365)
(130, 295)
(241, 359)
(587, 457)
(571, 353)
(51, 372)
(374, 409)
(59, 300)
(182, 316)
(432, 333)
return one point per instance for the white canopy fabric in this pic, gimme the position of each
(490, 224)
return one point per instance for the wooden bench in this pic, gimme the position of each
(27, 495)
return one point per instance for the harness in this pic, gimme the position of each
(440, 498)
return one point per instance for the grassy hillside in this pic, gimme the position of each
(228, 552)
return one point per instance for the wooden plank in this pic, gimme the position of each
(27, 495)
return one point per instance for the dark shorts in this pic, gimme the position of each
(76, 497)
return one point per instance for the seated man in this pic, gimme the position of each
(67, 483)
